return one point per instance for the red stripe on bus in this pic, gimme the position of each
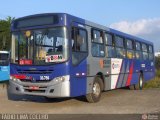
(130, 75)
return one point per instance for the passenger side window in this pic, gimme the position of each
(151, 55)
(144, 51)
(79, 45)
(110, 50)
(130, 51)
(97, 43)
(79, 42)
(138, 53)
(119, 42)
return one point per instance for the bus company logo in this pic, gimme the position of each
(104, 63)
(114, 66)
(101, 63)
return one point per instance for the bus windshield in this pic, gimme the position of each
(4, 59)
(40, 47)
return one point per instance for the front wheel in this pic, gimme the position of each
(96, 91)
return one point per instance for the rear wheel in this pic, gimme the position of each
(96, 91)
(139, 86)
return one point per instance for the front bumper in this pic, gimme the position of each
(42, 89)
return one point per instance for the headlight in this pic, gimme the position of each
(62, 78)
(14, 79)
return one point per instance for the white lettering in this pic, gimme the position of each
(44, 77)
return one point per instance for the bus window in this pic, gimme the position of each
(79, 45)
(97, 43)
(151, 55)
(4, 66)
(130, 51)
(138, 52)
(110, 50)
(119, 42)
(4, 58)
(145, 51)
(97, 36)
(109, 39)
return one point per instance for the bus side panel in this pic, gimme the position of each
(149, 70)
(123, 69)
(128, 75)
(122, 74)
(116, 68)
(125, 72)
(136, 71)
(98, 66)
(78, 81)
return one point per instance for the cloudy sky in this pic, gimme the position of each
(148, 29)
(137, 17)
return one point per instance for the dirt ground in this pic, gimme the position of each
(120, 101)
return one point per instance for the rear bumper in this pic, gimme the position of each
(42, 89)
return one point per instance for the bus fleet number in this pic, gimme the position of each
(44, 77)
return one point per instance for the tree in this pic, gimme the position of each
(157, 63)
(5, 34)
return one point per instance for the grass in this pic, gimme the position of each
(155, 83)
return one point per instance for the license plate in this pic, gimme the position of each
(33, 87)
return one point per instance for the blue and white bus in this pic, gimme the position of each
(4, 66)
(60, 55)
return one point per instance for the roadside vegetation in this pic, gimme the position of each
(155, 83)
(5, 34)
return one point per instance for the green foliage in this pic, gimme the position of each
(157, 63)
(158, 73)
(5, 34)
(155, 83)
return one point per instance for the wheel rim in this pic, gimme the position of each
(96, 89)
(141, 82)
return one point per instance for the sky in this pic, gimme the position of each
(137, 17)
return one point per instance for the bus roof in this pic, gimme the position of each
(89, 23)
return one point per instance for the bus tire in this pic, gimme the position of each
(139, 86)
(96, 91)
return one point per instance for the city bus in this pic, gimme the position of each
(4, 66)
(58, 55)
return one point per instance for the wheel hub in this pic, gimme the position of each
(96, 89)
(141, 82)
